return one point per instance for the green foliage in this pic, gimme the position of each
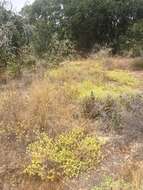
(132, 41)
(86, 22)
(109, 183)
(59, 50)
(14, 35)
(66, 156)
(58, 29)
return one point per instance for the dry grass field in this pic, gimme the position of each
(78, 126)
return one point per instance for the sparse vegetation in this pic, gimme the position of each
(71, 95)
(53, 121)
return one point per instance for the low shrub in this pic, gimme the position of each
(111, 110)
(65, 156)
(106, 110)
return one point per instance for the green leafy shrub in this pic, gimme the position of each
(48, 44)
(66, 156)
(132, 42)
(59, 50)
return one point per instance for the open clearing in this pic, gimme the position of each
(103, 96)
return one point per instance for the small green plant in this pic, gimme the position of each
(110, 184)
(66, 156)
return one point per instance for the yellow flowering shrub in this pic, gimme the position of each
(66, 156)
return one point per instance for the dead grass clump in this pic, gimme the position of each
(138, 64)
(133, 173)
(50, 110)
(108, 183)
(12, 108)
(2, 76)
(106, 110)
(137, 178)
(42, 108)
(121, 63)
(11, 105)
(113, 111)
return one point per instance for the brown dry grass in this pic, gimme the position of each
(45, 106)
(42, 107)
(137, 178)
(133, 173)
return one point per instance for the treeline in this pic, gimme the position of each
(54, 29)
